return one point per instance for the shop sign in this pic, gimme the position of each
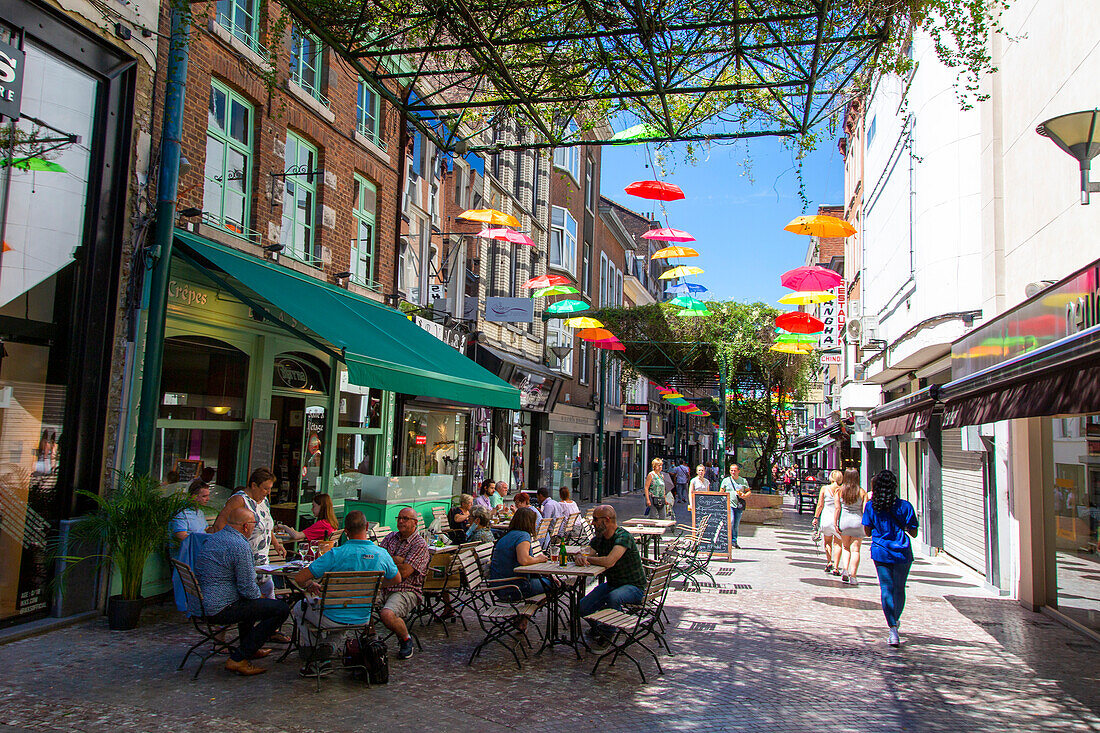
(187, 294)
(656, 424)
(830, 358)
(453, 336)
(12, 62)
(510, 310)
(291, 373)
(421, 440)
(632, 423)
(833, 315)
(638, 409)
(534, 389)
(815, 392)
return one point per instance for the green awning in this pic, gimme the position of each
(381, 347)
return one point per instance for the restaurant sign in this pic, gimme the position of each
(12, 62)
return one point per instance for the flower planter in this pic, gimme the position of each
(123, 614)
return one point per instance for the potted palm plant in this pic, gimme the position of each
(129, 523)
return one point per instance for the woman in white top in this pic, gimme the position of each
(698, 483)
(570, 505)
(826, 513)
(848, 520)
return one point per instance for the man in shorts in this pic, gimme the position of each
(410, 552)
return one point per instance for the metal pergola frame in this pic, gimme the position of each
(689, 70)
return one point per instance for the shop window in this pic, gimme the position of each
(305, 62)
(1074, 481)
(181, 454)
(299, 372)
(227, 176)
(563, 239)
(300, 201)
(364, 203)
(360, 407)
(434, 442)
(239, 17)
(559, 335)
(356, 455)
(368, 114)
(202, 379)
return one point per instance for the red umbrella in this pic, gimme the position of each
(609, 344)
(799, 322)
(810, 278)
(657, 190)
(546, 281)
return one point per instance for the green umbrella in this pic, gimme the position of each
(796, 338)
(568, 306)
(687, 313)
(32, 164)
(556, 290)
(679, 402)
(636, 133)
(686, 301)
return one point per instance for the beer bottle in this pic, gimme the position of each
(563, 558)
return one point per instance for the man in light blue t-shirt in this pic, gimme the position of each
(356, 554)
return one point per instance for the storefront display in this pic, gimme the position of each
(434, 442)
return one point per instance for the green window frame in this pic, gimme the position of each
(227, 172)
(306, 59)
(363, 245)
(298, 233)
(368, 114)
(241, 18)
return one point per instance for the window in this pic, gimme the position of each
(408, 273)
(563, 239)
(227, 174)
(536, 164)
(239, 18)
(603, 279)
(589, 186)
(362, 247)
(618, 288)
(517, 176)
(871, 131)
(305, 62)
(558, 334)
(368, 114)
(586, 269)
(300, 201)
(460, 186)
(583, 355)
(569, 159)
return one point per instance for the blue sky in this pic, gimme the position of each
(737, 220)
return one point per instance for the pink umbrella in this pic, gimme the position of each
(810, 278)
(506, 235)
(668, 234)
(612, 344)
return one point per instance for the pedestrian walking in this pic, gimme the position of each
(889, 521)
(698, 483)
(736, 485)
(680, 473)
(655, 490)
(825, 522)
(849, 523)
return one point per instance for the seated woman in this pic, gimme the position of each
(321, 529)
(514, 549)
(570, 505)
(459, 519)
(479, 531)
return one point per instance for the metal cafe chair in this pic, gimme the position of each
(207, 629)
(634, 625)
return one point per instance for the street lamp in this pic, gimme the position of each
(1077, 134)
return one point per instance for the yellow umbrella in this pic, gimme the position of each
(669, 252)
(788, 349)
(672, 396)
(681, 271)
(808, 297)
(490, 216)
(820, 225)
(582, 322)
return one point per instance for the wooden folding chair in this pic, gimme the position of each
(207, 629)
(634, 625)
(342, 590)
(442, 583)
(500, 619)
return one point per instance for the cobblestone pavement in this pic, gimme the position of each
(778, 646)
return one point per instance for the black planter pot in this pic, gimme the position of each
(123, 614)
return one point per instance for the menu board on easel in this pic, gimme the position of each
(716, 505)
(261, 450)
(187, 469)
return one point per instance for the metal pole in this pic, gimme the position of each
(600, 436)
(167, 188)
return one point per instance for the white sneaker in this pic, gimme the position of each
(844, 577)
(894, 639)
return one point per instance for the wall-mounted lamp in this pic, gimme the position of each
(1077, 134)
(185, 166)
(342, 278)
(190, 212)
(274, 248)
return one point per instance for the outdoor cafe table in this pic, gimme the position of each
(645, 534)
(647, 522)
(574, 592)
(434, 549)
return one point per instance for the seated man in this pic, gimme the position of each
(624, 581)
(410, 552)
(549, 508)
(356, 554)
(227, 575)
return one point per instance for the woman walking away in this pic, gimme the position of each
(849, 522)
(826, 514)
(655, 490)
(887, 520)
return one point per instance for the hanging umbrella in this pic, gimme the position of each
(673, 395)
(797, 338)
(688, 313)
(565, 306)
(490, 216)
(681, 271)
(556, 290)
(687, 408)
(679, 402)
(704, 413)
(698, 305)
(506, 235)
(799, 322)
(788, 349)
(609, 344)
(820, 225)
(668, 234)
(546, 281)
(670, 252)
(687, 288)
(32, 164)
(807, 298)
(582, 322)
(685, 301)
(595, 334)
(635, 133)
(806, 279)
(656, 190)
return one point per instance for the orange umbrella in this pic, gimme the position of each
(595, 334)
(820, 225)
(491, 217)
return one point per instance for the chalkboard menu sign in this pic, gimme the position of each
(261, 451)
(716, 505)
(187, 469)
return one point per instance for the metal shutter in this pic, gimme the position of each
(963, 502)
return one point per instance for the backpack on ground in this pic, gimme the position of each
(377, 662)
